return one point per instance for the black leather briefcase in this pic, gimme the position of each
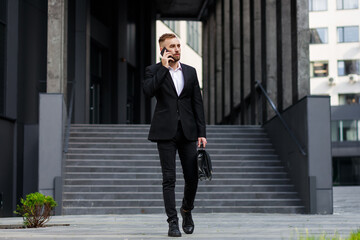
(204, 164)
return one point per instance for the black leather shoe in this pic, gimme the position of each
(188, 223)
(174, 229)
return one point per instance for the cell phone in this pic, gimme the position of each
(163, 50)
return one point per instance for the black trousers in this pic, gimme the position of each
(187, 153)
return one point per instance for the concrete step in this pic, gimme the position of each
(146, 129)
(148, 126)
(159, 195)
(149, 145)
(215, 163)
(198, 203)
(179, 175)
(227, 181)
(146, 151)
(234, 135)
(139, 140)
(158, 188)
(142, 169)
(158, 210)
(127, 156)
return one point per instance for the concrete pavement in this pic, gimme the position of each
(346, 218)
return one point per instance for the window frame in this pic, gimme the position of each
(327, 35)
(339, 130)
(357, 65)
(193, 35)
(342, 3)
(311, 6)
(173, 26)
(312, 69)
(343, 34)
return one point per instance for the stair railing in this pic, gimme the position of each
(257, 83)
(68, 124)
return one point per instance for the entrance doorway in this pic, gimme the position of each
(98, 79)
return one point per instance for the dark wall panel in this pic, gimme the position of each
(7, 167)
(32, 65)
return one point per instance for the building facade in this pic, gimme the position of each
(83, 62)
(335, 71)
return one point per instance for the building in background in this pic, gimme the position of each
(335, 71)
(189, 34)
(89, 56)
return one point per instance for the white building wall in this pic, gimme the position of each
(188, 55)
(334, 51)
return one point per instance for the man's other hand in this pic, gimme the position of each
(202, 140)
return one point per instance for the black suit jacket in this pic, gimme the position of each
(188, 107)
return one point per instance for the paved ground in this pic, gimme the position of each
(345, 219)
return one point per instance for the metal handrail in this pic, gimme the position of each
(68, 124)
(257, 83)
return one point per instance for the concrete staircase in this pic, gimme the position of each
(114, 169)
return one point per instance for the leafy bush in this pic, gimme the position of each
(355, 235)
(36, 209)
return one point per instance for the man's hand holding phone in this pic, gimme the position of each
(166, 57)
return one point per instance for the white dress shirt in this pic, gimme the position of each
(178, 78)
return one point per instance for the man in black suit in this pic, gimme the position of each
(178, 123)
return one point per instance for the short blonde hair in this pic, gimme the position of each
(165, 36)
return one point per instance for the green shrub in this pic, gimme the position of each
(355, 235)
(36, 209)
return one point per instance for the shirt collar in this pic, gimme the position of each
(178, 68)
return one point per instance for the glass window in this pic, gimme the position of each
(348, 34)
(174, 26)
(193, 35)
(334, 131)
(348, 130)
(347, 4)
(346, 67)
(319, 69)
(345, 99)
(318, 35)
(317, 5)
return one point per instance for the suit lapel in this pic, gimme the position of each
(168, 76)
(184, 72)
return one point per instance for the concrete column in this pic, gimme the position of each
(227, 57)
(57, 47)
(257, 39)
(235, 61)
(302, 56)
(212, 69)
(206, 70)
(246, 44)
(286, 53)
(258, 55)
(271, 54)
(219, 59)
